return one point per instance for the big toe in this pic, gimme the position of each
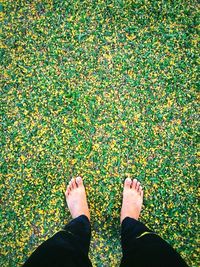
(79, 181)
(127, 183)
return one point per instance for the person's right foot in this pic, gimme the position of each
(132, 199)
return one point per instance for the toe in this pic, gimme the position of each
(70, 185)
(140, 189)
(137, 186)
(127, 183)
(79, 181)
(67, 191)
(73, 183)
(134, 183)
(142, 193)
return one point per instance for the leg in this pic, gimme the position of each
(70, 246)
(142, 247)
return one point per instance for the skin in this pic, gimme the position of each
(132, 199)
(131, 204)
(76, 198)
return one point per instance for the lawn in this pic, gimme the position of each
(105, 90)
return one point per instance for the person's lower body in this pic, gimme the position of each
(142, 247)
(67, 248)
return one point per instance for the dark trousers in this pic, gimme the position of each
(69, 247)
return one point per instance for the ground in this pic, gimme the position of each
(105, 90)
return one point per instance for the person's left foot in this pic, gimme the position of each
(76, 198)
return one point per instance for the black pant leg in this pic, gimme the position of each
(67, 248)
(142, 247)
(80, 229)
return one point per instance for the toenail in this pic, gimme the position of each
(128, 180)
(78, 179)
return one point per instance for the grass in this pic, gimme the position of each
(105, 90)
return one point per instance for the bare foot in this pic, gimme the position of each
(132, 199)
(76, 198)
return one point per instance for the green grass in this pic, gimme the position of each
(105, 90)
